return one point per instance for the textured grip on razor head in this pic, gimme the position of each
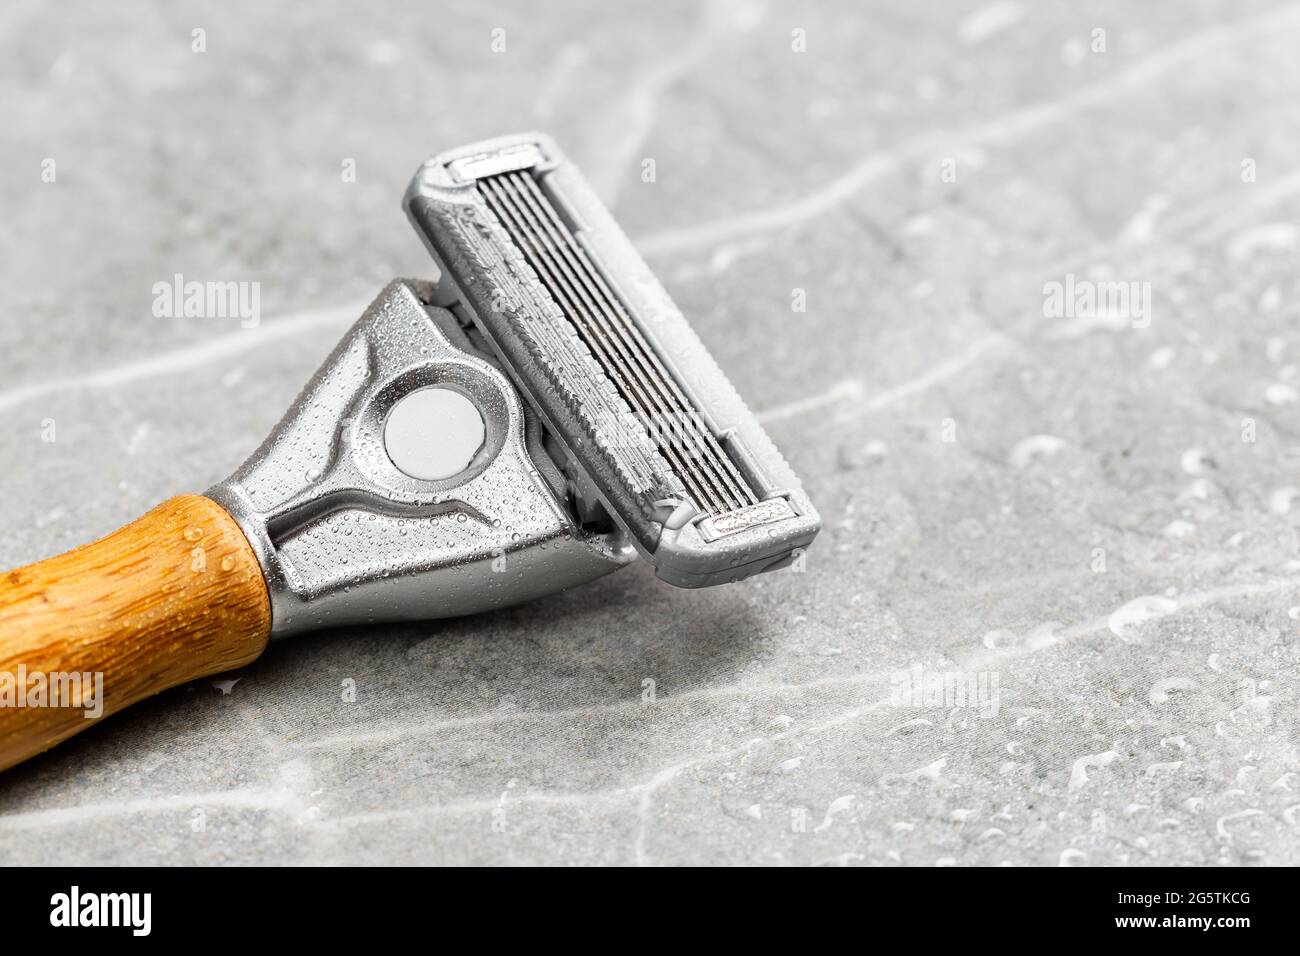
(611, 365)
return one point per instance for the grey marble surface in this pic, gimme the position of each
(1098, 513)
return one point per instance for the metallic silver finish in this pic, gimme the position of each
(496, 161)
(718, 526)
(647, 428)
(345, 537)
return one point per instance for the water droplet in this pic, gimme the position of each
(228, 563)
(193, 534)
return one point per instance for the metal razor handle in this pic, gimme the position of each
(346, 536)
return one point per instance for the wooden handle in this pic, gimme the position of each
(171, 597)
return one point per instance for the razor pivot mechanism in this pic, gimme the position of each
(650, 437)
(535, 419)
(345, 536)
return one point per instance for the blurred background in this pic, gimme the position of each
(870, 212)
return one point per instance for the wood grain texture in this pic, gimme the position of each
(176, 595)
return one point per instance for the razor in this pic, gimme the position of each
(539, 416)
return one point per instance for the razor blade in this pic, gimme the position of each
(649, 434)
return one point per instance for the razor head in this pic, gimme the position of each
(648, 431)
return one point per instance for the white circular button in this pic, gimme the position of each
(433, 433)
